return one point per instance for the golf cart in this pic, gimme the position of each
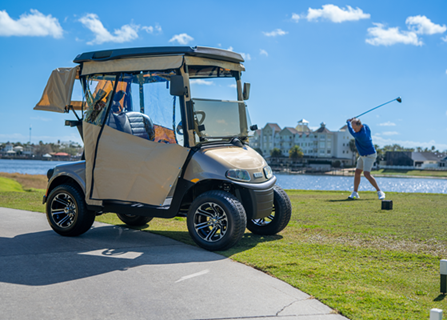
(153, 147)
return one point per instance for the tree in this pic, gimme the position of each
(275, 152)
(353, 149)
(295, 152)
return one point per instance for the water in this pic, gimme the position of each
(28, 166)
(321, 182)
(304, 182)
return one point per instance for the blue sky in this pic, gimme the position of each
(324, 61)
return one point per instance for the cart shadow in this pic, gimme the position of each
(248, 241)
(45, 258)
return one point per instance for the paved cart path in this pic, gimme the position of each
(112, 272)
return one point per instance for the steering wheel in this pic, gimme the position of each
(179, 127)
(202, 113)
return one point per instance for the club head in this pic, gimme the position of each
(399, 99)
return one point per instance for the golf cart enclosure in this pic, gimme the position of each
(57, 94)
(156, 146)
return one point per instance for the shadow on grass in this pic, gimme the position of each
(440, 297)
(248, 241)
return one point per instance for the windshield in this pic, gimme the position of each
(217, 112)
(220, 119)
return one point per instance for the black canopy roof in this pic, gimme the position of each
(212, 53)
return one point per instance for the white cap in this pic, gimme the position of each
(435, 314)
(443, 267)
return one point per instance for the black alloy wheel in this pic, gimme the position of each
(216, 220)
(67, 211)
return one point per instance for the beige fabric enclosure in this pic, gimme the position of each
(130, 168)
(57, 94)
(133, 64)
(90, 133)
(197, 61)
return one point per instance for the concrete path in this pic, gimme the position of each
(115, 273)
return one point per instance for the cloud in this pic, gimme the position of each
(423, 25)
(150, 29)
(34, 24)
(246, 56)
(387, 124)
(181, 38)
(379, 36)
(263, 52)
(295, 17)
(337, 14)
(233, 86)
(390, 133)
(202, 82)
(444, 39)
(125, 34)
(275, 33)
(230, 48)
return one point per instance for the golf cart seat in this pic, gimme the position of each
(141, 125)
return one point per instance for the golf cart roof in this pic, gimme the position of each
(204, 52)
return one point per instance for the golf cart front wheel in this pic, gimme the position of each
(216, 220)
(134, 221)
(67, 211)
(278, 219)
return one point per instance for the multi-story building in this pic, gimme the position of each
(321, 144)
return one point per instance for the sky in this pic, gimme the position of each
(323, 61)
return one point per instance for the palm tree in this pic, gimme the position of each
(353, 149)
(295, 152)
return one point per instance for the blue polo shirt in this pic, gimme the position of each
(363, 140)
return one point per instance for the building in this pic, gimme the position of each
(321, 144)
(421, 160)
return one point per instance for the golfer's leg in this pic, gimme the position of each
(371, 180)
(357, 177)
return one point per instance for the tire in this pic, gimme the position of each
(278, 219)
(67, 211)
(216, 220)
(134, 221)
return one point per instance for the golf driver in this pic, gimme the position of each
(399, 99)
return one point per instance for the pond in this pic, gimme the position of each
(304, 182)
(329, 182)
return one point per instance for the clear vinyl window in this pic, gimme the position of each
(98, 92)
(143, 106)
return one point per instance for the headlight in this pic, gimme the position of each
(268, 172)
(238, 174)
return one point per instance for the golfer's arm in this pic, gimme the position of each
(351, 131)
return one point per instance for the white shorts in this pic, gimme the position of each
(365, 163)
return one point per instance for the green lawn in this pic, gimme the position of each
(362, 261)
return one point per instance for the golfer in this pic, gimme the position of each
(367, 156)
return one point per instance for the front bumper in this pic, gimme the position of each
(257, 199)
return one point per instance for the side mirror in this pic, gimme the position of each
(246, 93)
(177, 86)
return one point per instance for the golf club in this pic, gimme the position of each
(399, 99)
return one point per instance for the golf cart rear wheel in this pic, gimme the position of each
(67, 211)
(216, 220)
(134, 221)
(278, 219)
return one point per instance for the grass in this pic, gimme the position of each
(364, 262)
(413, 173)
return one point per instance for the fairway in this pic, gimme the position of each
(365, 262)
